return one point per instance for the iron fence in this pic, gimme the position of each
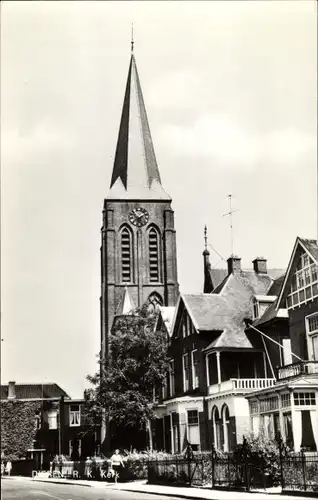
(242, 469)
(299, 472)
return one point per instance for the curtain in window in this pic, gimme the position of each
(314, 424)
(297, 429)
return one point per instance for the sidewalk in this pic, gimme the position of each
(171, 491)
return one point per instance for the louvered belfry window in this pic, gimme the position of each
(126, 260)
(153, 255)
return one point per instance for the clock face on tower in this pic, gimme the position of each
(139, 217)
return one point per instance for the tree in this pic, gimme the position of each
(136, 367)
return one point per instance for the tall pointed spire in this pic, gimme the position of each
(135, 171)
(208, 283)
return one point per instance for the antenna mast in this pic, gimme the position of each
(231, 221)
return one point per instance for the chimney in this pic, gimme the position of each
(259, 265)
(11, 390)
(233, 264)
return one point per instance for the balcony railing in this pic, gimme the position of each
(241, 385)
(297, 369)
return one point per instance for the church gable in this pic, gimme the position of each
(301, 281)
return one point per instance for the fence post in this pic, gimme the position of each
(189, 456)
(213, 464)
(280, 447)
(245, 462)
(303, 463)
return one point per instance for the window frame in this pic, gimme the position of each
(311, 336)
(75, 412)
(186, 369)
(156, 279)
(126, 230)
(172, 389)
(304, 278)
(305, 397)
(193, 365)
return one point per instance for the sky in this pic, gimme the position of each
(231, 94)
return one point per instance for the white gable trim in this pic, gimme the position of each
(291, 261)
(195, 324)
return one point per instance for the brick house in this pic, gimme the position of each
(214, 362)
(290, 407)
(57, 427)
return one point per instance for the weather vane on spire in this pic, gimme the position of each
(132, 37)
(205, 237)
(231, 221)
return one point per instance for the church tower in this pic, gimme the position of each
(138, 250)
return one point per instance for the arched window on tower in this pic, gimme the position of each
(154, 255)
(126, 255)
(154, 302)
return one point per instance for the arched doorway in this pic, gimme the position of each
(226, 427)
(217, 428)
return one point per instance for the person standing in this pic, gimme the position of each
(8, 468)
(117, 463)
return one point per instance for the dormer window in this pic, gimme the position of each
(261, 303)
(304, 282)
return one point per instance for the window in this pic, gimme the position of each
(75, 415)
(312, 336)
(269, 404)
(193, 429)
(193, 417)
(37, 421)
(171, 378)
(153, 255)
(52, 419)
(304, 399)
(288, 429)
(287, 354)
(186, 371)
(285, 400)
(254, 407)
(126, 255)
(313, 323)
(304, 285)
(195, 369)
(186, 325)
(154, 302)
(217, 429)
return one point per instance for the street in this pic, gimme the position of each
(23, 489)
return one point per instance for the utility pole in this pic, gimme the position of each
(229, 214)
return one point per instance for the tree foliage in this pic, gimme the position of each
(136, 366)
(18, 429)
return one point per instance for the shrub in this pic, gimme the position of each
(268, 451)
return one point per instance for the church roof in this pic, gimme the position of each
(135, 171)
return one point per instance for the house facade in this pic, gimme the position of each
(214, 361)
(53, 424)
(290, 408)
